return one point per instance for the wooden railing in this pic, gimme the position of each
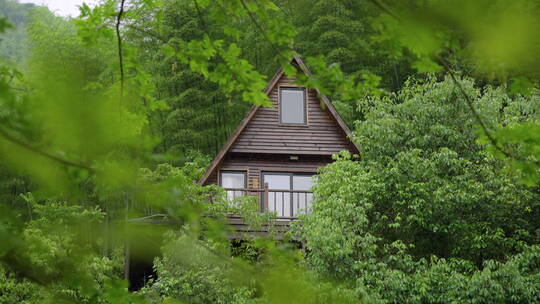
(285, 203)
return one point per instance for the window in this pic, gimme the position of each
(235, 180)
(292, 106)
(289, 203)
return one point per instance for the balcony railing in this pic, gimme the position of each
(287, 204)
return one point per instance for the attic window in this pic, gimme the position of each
(292, 105)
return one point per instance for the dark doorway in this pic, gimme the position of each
(141, 270)
(144, 247)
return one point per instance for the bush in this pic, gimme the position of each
(17, 290)
(190, 273)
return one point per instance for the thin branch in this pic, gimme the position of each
(28, 147)
(475, 113)
(120, 53)
(203, 22)
(468, 100)
(385, 9)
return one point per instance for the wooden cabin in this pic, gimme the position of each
(275, 152)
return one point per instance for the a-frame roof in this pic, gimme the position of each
(234, 136)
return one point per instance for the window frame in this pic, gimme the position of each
(220, 178)
(289, 174)
(280, 105)
(291, 182)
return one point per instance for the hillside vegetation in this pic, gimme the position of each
(115, 114)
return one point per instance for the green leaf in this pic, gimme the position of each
(426, 65)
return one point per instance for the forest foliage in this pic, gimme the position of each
(112, 116)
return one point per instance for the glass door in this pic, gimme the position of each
(279, 201)
(289, 193)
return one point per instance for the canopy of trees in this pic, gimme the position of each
(113, 115)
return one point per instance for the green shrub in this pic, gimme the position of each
(17, 290)
(189, 272)
(427, 215)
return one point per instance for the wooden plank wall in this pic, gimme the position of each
(264, 134)
(254, 165)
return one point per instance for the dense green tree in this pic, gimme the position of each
(341, 31)
(199, 116)
(424, 180)
(425, 188)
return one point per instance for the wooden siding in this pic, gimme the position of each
(242, 231)
(255, 164)
(265, 134)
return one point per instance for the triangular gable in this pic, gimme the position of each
(271, 86)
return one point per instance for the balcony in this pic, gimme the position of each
(286, 204)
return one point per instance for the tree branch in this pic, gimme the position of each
(28, 147)
(120, 53)
(385, 9)
(468, 100)
(199, 14)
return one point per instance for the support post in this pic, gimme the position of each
(265, 196)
